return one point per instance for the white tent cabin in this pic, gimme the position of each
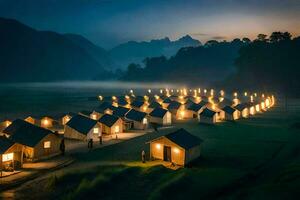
(83, 128)
(160, 116)
(231, 113)
(243, 108)
(139, 119)
(179, 147)
(111, 124)
(208, 116)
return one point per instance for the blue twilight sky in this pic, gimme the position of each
(110, 22)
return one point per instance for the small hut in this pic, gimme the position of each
(38, 142)
(177, 110)
(139, 105)
(83, 128)
(208, 116)
(231, 113)
(179, 147)
(166, 102)
(111, 124)
(10, 154)
(139, 119)
(243, 108)
(161, 116)
(152, 106)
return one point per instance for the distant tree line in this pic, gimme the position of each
(267, 62)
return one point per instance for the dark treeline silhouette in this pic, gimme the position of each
(270, 63)
(210, 62)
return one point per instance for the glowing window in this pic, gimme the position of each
(47, 145)
(96, 130)
(117, 129)
(145, 121)
(158, 146)
(7, 157)
(176, 150)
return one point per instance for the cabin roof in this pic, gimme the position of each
(108, 120)
(135, 115)
(120, 111)
(158, 112)
(122, 102)
(184, 139)
(203, 103)
(195, 107)
(137, 103)
(105, 105)
(5, 144)
(86, 112)
(241, 106)
(207, 113)
(174, 105)
(167, 100)
(26, 133)
(154, 104)
(81, 124)
(229, 109)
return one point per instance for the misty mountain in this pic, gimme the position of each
(193, 65)
(98, 53)
(136, 52)
(27, 54)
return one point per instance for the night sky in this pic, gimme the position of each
(110, 22)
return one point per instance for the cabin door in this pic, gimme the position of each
(167, 153)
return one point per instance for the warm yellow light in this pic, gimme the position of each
(255, 94)
(7, 157)
(263, 96)
(199, 90)
(251, 98)
(222, 93)
(131, 91)
(45, 122)
(149, 90)
(117, 129)
(262, 105)
(177, 90)
(161, 91)
(7, 123)
(267, 102)
(172, 90)
(205, 91)
(47, 144)
(252, 110)
(158, 146)
(235, 94)
(144, 108)
(245, 94)
(176, 150)
(182, 113)
(257, 108)
(212, 92)
(100, 97)
(94, 116)
(156, 97)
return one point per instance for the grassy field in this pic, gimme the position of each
(256, 158)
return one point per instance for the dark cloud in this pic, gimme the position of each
(218, 38)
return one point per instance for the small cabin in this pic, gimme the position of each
(139, 119)
(38, 143)
(152, 106)
(67, 117)
(82, 128)
(194, 110)
(121, 112)
(4, 124)
(179, 147)
(106, 108)
(243, 108)
(208, 116)
(231, 113)
(111, 124)
(177, 110)
(10, 154)
(160, 116)
(86, 113)
(166, 102)
(139, 105)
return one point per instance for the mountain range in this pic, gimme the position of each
(136, 52)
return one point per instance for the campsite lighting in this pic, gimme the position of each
(127, 97)
(94, 117)
(131, 91)
(177, 90)
(235, 94)
(176, 150)
(263, 96)
(255, 94)
(257, 108)
(211, 92)
(100, 97)
(222, 93)
(184, 91)
(267, 102)
(114, 98)
(172, 91)
(157, 146)
(245, 94)
(161, 91)
(251, 98)
(7, 123)
(195, 93)
(205, 91)
(182, 113)
(199, 90)
(156, 97)
(149, 91)
(45, 122)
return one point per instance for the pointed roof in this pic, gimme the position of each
(137, 104)
(154, 104)
(108, 120)
(120, 111)
(5, 144)
(158, 112)
(241, 106)
(229, 109)
(195, 107)
(184, 139)
(81, 124)
(174, 105)
(207, 113)
(26, 133)
(135, 115)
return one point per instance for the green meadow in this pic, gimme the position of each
(255, 158)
